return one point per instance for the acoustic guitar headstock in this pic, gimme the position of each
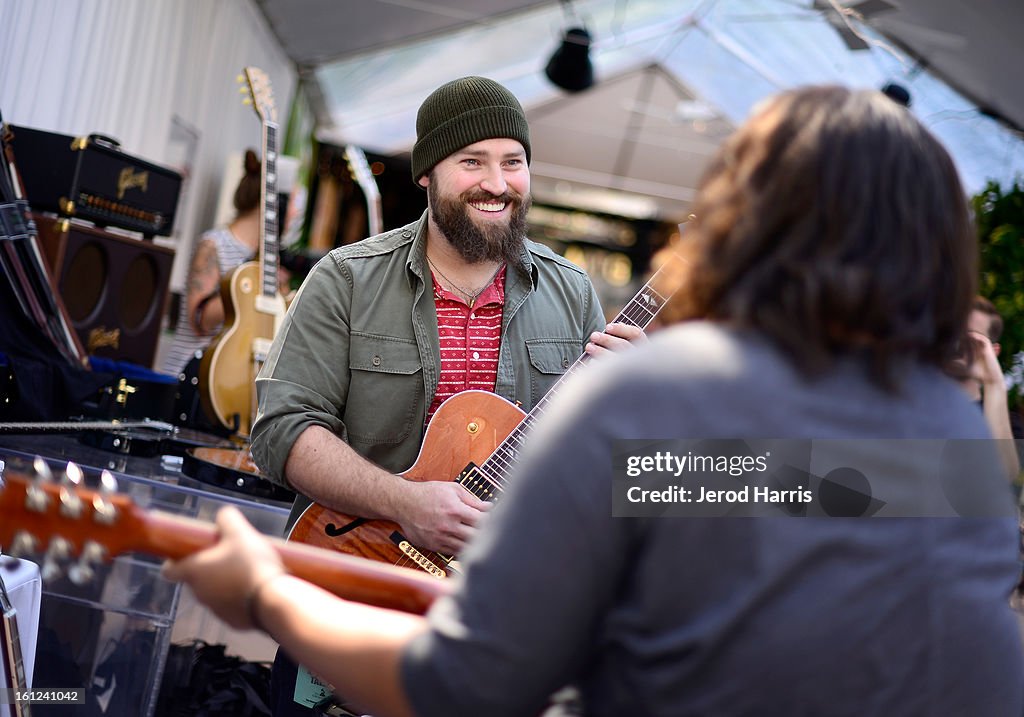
(74, 528)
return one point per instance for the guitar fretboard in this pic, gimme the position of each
(268, 246)
(487, 480)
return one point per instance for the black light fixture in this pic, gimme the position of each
(897, 93)
(570, 67)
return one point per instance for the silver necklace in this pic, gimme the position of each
(471, 295)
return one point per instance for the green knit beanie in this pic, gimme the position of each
(462, 112)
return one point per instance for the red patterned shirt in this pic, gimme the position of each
(470, 340)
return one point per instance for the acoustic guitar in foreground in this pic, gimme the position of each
(76, 529)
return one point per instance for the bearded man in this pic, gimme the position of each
(386, 329)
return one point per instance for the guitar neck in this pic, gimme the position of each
(348, 577)
(111, 524)
(268, 211)
(640, 311)
(359, 168)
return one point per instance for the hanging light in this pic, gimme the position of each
(570, 67)
(897, 93)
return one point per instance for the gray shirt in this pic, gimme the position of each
(726, 616)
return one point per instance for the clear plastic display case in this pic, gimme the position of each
(111, 635)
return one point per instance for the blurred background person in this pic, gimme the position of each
(217, 253)
(986, 384)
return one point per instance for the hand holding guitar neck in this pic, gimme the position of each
(76, 529)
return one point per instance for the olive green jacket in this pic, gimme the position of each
(358, 352)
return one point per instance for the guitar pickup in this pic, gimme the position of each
(473, 479)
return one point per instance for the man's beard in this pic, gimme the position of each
(475, 243)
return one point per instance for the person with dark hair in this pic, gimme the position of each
(985, 383)
(829, 271)
(218, 251)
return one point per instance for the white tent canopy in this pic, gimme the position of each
(673, 79)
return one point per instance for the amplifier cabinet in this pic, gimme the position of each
(114, 287)
(90, 178)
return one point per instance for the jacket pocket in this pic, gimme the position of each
(385, 389)
(549, 359)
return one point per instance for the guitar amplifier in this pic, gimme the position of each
(91, 178)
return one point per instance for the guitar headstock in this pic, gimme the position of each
(360, 170)
(256, 85)
(73, 527)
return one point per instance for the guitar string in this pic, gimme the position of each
(634, 313)
(503, 457)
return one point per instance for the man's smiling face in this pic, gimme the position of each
(478, 198)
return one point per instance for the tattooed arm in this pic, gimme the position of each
(205, 310)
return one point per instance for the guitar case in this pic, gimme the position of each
(232, 469)
(150, 442)
(188, 408)
(135, 392)
(38, 383)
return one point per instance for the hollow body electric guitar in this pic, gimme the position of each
(253, 306)
(473, 438)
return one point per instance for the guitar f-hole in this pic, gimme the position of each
(333, 531)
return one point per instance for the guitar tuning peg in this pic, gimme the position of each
(36, 499)
(108, 483)
(247, 101)
(104, 510)
(70, 501)
(58, 552)
(243, 90)
(84, 569)
(41, 469)
(240, 78)
(72, 474)
(23, 544)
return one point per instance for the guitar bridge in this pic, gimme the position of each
(421, 560)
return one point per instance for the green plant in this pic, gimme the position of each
(999, 216)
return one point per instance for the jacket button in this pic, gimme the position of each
(565, 363)
(375, 360)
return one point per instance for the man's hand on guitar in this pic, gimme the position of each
(615, 337)
(440, 515)
(226, 575)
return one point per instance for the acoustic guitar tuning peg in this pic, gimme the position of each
(84, 569)
(57, 553)
(36, 499)
(239, 78)
(104, 510)
(108, 483)
(70, 501)
(41, 470)
(23, 545)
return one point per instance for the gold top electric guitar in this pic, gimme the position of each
(253, 306)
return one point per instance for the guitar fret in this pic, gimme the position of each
(639, 312)
(269, 259)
